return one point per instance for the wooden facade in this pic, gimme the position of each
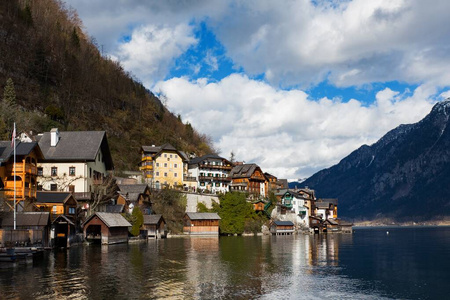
(57, 204)
(282, 228)
(106, 228)
(155, 225)
(249, 178)
(201, 224)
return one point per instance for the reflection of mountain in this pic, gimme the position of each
(405, 175)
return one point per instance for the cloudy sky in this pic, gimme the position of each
(293, 85)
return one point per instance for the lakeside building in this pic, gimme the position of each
(57, 204)
(130, 195)
(211, 172)
(155, 226)
(201, 223)
(26, 166)
(106, 228)
(250, 179)
(300, 204)
(163, 166)
(74, 161)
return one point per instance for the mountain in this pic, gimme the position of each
(61, 79)
(404, 176)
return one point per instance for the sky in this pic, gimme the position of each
(294, 85)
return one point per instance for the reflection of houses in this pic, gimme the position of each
(27, 155)
(31, 227)
(336, 225)
(163, 166)
(131, 195)
(211, 172)
(74, 161)
(57, 203)
(248, 178)
(106, 228)
(282, 228)
(201, 223)
(300, 203)
(155, 226)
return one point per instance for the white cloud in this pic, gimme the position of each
(152, 50)
(283, 131)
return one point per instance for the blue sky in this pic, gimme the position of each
(293, 86)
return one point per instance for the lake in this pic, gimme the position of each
(407, 263)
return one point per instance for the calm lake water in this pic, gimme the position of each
(407, 263)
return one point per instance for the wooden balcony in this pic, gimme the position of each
(20, 167)
(213, 178)
(147, 158)
(20, 193)
(215, 167)
(146, 167)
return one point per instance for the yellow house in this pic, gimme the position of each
(163, 166)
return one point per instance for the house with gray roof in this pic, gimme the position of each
(155, 226)
(201, 223)
(33, 227)
(163, 166)
(211, 173)
(249, 178)
(106, 228)
(74, 161)
(131, 195)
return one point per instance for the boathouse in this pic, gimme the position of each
(106, 228)
(155, 226)
(31, 228)
(201, 223)
(282, 228)
(64, 231)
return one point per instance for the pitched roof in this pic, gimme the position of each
(152, 219)
(245, 170)
(22, 149)
(283, 223)
(26, 219)
(110, 219)
(202, 216)
(322, 204)
(77, 146)
(114, 208)
(66, 219)
(157, 150)
(52, 197)
(198, 160)
(133, 188)
(284, 183)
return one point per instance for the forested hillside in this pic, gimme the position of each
(61, 80)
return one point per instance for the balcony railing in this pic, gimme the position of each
(20, 193)
(29, 169)
(189, 178)
(217, 167)
(213, 178)
(146, 167)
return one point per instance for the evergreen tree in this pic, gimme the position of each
(8, 111)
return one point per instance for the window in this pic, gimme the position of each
(157, 173)
(40, 171)
(53, 187)
(170, 155)
(175, 175)
(54, 209)
(54, 171)
(165, 155)
(157, 164)
(165, 174)
(175, 156)
(72, 188)
(71, 171)
(175, 165)
(202, 183)
(71, 210)
(165, 165)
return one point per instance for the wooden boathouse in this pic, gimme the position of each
(201, 223)
(155, 226)
(282, 228)
(106, 228)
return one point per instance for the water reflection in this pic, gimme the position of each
(287, 267)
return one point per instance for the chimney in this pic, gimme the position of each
(54, 137)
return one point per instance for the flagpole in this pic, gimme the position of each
(14, 142)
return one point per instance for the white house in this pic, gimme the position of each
(74, 161)
(300, 203)
(211, 173)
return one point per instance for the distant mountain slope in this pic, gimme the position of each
(62, 80)
(405, 175)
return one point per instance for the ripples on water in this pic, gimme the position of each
(406, 264)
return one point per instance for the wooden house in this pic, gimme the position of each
(25, 170)
(57, 203)
(131, 195)
(31, 227)
(155, 226)
(282, 228)
(106, 228)
(250, 179)
(201, 223)
(258, 205)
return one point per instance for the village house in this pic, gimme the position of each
(25, 170)
(301, 203)
(57, 203)
(74, 161)
(211, 172)
(106, 228)
(326, 208)
(130, 195)
(201, 223)
(250, 179)
(155, 225)
(163, 166)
